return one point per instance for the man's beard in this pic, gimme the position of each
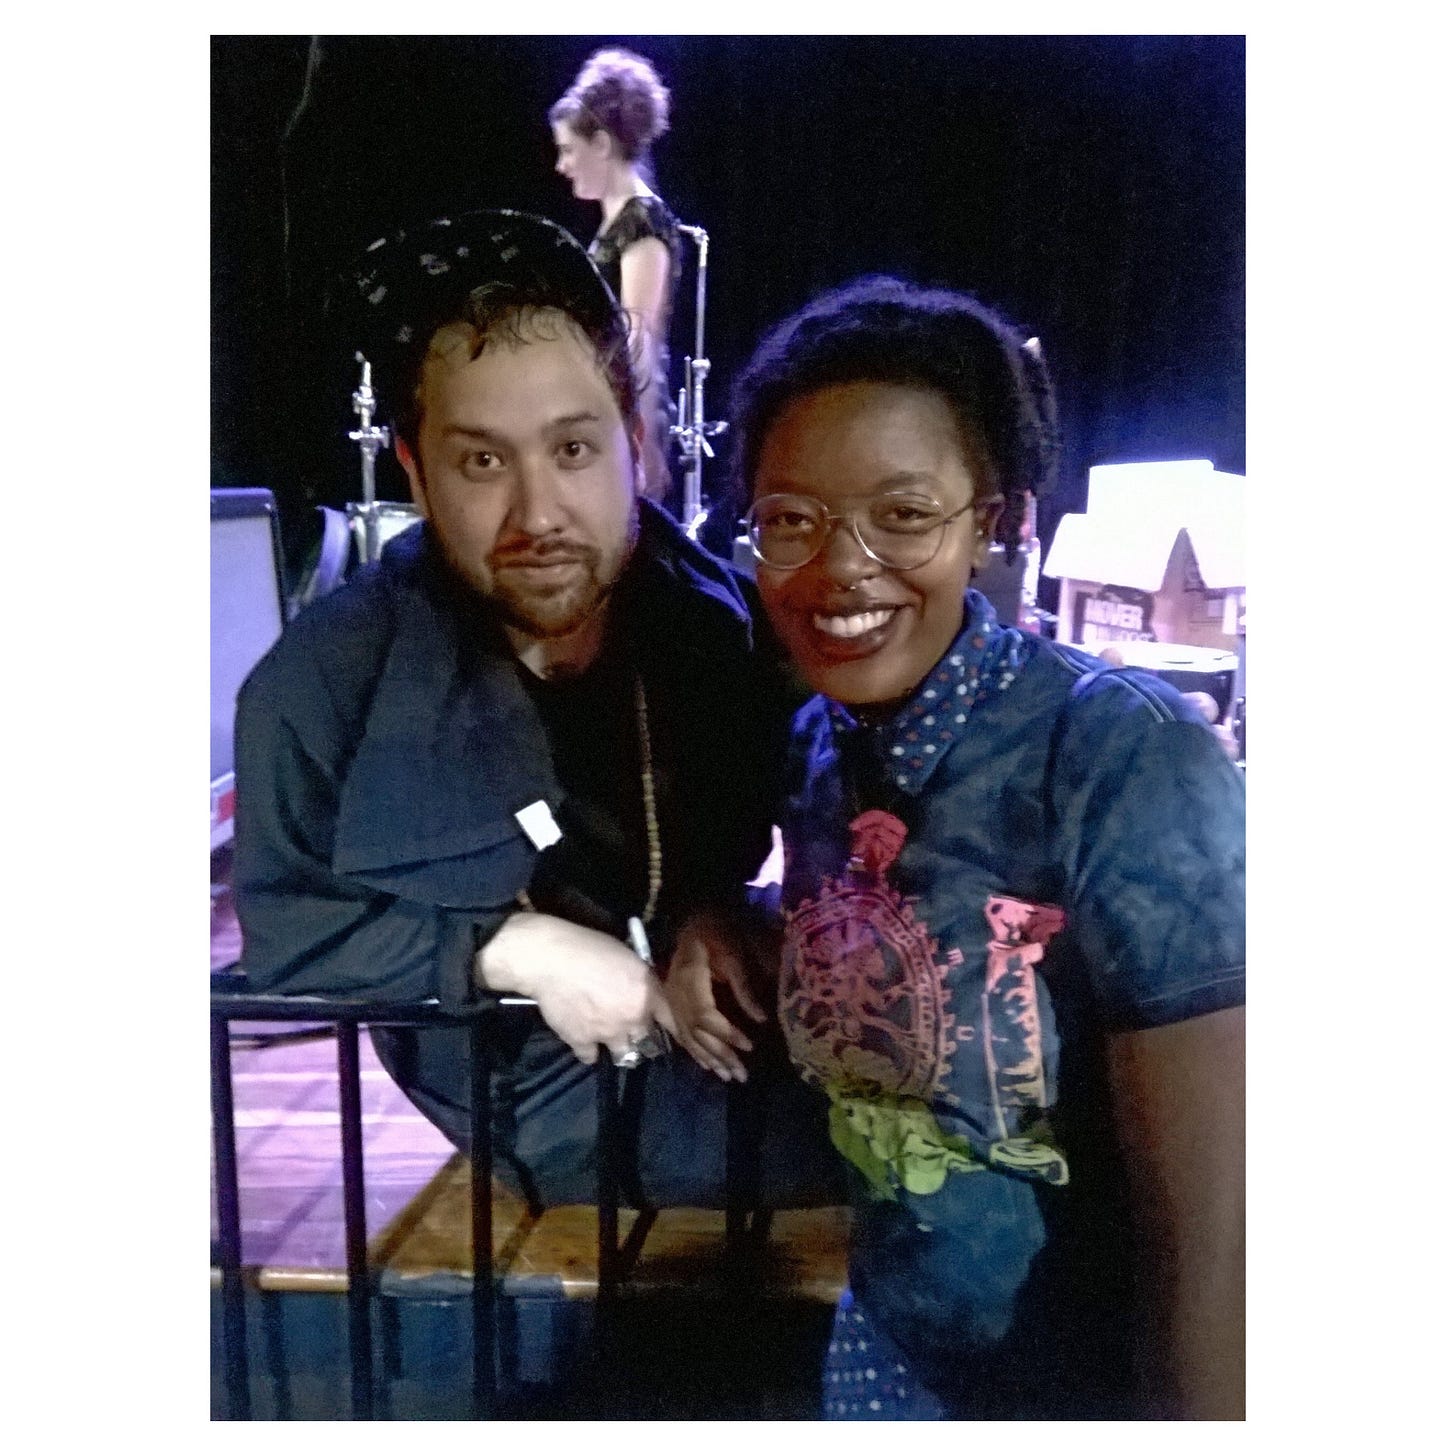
(553, 611)
(550, 610)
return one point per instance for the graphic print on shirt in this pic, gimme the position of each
(1015, 1069)
(864, 1004)
(866, 1007)
(1019, 934)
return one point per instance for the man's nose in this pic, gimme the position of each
(537, 506)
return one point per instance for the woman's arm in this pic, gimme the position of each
(1178, 1097)
(646, 273)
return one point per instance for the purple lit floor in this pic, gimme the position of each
(290, 1184)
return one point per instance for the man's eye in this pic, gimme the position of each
(479, 463)
(577, 452)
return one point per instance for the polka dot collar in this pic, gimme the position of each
(984, 659)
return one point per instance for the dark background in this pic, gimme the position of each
(1091, 187)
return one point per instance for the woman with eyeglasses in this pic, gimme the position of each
(1012, 900)
(603, 127)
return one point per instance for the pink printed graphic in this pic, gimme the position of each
(876, 839)
(864, 1002)
(1020, 931)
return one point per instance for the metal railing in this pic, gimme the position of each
(231, 1002)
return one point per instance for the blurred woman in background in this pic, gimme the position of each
(603, 126)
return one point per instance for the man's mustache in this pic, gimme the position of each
(542, 553)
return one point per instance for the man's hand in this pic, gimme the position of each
(591, 990)
(1221, 730)
(1202, 702)
(707, 953)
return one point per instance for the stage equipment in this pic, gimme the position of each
(691, 431)
(365, 515)
(1158, 556)
(248, 613)
(1189, 669)
(1153, 575)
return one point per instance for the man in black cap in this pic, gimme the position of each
(532, 748)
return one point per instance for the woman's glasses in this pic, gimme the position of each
(899, 529)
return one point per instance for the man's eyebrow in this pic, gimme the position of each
(476, 432)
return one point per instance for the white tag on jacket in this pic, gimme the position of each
(541, 828)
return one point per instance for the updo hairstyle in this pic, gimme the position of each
(619, 92)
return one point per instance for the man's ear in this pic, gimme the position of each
(636, 434)
(411, 466)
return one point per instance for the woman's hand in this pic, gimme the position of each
(708, 953)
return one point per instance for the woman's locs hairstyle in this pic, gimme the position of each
(881, 330)
(619, 92)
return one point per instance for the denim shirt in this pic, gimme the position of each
(1036, 850)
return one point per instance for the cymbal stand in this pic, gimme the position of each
(691, 431)
(371, 438)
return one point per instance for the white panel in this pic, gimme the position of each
(246, 618)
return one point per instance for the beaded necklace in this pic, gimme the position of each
(649, 802)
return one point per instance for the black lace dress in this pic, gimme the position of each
(642, 217)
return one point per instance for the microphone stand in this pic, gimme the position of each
(371, 438)
(691, 431)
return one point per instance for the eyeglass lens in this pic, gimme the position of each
(897, 529)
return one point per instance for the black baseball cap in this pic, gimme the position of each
(411, 281)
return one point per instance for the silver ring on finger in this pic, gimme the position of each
(652, 1043)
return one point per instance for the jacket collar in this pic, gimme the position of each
(985, 658)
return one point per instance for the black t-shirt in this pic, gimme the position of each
(597, 873)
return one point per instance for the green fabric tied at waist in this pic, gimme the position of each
(896, 1142)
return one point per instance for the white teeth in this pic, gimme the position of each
(855, 626)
